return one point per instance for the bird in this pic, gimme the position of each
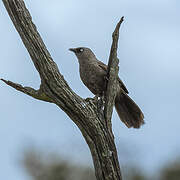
(93, 74)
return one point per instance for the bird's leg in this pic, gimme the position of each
(100, 106)
(99, 100)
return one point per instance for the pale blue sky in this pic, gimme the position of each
(149, 53)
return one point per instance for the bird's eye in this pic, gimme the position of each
(81, 50)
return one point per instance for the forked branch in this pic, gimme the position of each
(55, 89)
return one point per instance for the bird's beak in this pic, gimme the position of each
(72, 49)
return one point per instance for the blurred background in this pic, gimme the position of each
(35, 135)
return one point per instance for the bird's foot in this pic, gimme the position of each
(99, 100)
(95, 98)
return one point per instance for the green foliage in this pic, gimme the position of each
(171, 171)
(51, 167)
(133, 173)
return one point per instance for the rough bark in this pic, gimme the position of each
(94, 124)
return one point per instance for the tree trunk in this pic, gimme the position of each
(93, 120)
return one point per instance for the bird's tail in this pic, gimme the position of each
(128, 111)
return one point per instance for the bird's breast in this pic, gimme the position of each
(93, 78)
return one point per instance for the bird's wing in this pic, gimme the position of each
(104, 67)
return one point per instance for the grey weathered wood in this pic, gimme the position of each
(112, 75)
(96, 129)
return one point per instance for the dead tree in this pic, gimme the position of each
(93, 120)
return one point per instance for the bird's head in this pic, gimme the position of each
(83, 53)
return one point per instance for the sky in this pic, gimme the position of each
(149, 53)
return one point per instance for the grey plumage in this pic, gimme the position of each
(93, 73)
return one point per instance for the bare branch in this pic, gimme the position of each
(112, 75)
(37, 94)
(55, 89)
(52, 81)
